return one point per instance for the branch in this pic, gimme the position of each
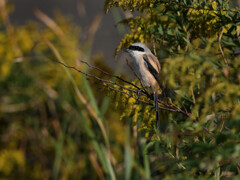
(161, 102)
(220, 46)
(140, 100)
(103, 81)
(104, 72)
(134, 72)
(96, 77)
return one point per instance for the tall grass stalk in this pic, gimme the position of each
(101, 150)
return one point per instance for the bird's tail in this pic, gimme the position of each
(155, 94)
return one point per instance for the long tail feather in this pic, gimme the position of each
(157, 111)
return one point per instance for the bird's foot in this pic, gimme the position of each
(151, 96)
(138, 92)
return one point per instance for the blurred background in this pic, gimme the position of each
(83, 13)
(55, 124)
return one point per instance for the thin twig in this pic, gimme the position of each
(132, 69)
(154, 47)
(103, 81)
(174, 94)
(220, 46)
(161, 102)
(104, 72)
(49, 22)
(96, 77)
(140, 100)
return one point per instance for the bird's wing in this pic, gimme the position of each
(153, 60)
(153, 67)
(150, 66)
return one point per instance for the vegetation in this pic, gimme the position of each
(200, 43)
(56, 125)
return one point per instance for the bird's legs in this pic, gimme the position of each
(155, 97)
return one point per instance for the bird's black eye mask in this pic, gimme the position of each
(136, 48)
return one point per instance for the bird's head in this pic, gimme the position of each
(137, 49)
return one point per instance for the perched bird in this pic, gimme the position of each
(147, 68)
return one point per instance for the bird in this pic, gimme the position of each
(147, 68)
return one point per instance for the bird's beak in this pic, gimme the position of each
(126, 50)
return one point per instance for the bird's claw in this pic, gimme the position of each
(138, 92)
(151, 96)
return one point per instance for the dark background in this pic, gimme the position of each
(82, 12)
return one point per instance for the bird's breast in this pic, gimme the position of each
(142, 72)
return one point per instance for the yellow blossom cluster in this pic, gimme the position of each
(9, 159)
(134, 109)
(139, 5)
(141, 31)
(205, 21)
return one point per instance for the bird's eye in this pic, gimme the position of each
(131, 47)
(136, 48)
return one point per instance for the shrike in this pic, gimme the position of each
(147, 68)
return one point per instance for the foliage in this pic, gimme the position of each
(51, 124)
(175, 24)
(34, 104)
(55, 125)
(201, 40)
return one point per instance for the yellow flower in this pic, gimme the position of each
(131, 100)
(135, 116)
(9, 159)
